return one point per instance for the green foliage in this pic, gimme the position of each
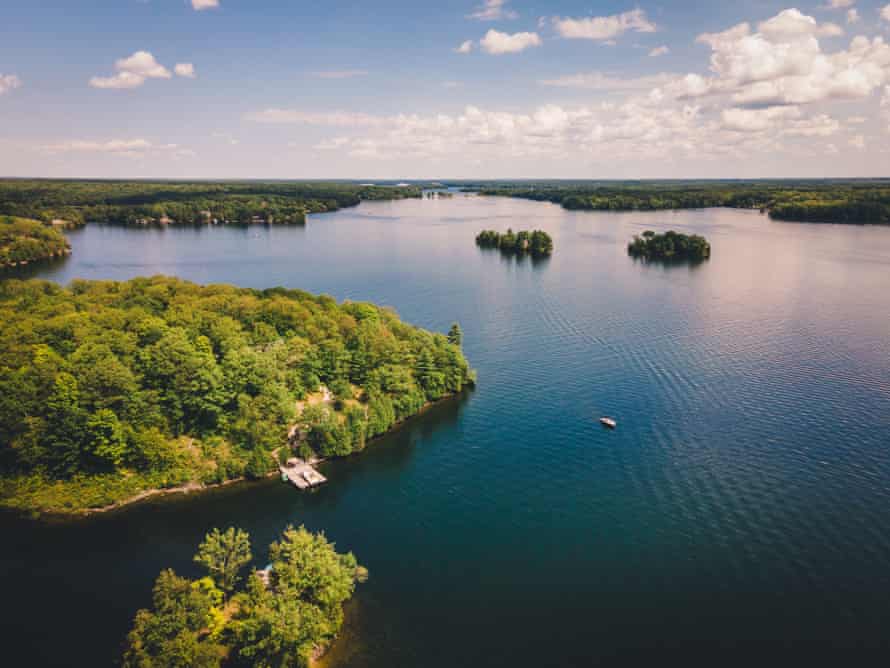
(836, 201)
(303, 607)
(139, 202)
(224, 554)
(536, 243)
(171, 634)
(23, 241)
(669, 246)
(281, 624)
(157, 379)
(455, 335)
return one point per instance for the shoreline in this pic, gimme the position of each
(198, 487)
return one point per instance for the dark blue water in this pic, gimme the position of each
(741, 510)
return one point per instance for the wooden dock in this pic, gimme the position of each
(301, 474)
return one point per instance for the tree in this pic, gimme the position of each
(171, 634)
(455, 335)
(224, 555)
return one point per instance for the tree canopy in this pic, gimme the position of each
(537, 243)
(145, 202)
(837, 201)
(23, 241)
(283, 619)
(669, 246)
(110, 388)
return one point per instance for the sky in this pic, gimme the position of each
(470, 89)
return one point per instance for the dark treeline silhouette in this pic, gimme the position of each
(141, 202)
(839, 201)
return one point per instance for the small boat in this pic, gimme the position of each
(609, 422)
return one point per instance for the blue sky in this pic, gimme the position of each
(476, 89)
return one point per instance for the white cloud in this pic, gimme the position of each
(144, 64)
(186, 70)
(465, 47)
(8, 82)
(839, 4)
(783, 63)
(498, 43)
(200, 5)
(858, 142)
(119, 81)
(132, 72)
(603, 28)
(608, 82)
(817, 126)
(852, 16)
(756, 120)
(133, 148)
(885, 13)
(493, 10)
(339, 74)
(659, 51)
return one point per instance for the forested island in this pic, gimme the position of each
(283, 615)
(109, 389)
(536, 243)
(23, 241)
(669, 246)
(175, 202)
(832, 201)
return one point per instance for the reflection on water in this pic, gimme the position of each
(743, 502)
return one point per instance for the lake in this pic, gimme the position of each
(741, 509)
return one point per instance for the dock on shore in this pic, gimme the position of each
(301, 474)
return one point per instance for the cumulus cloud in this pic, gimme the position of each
(8, 82)
(885, 13)
(783, 63)
(201, 5)
(134, 148)
(186, 70)
(133, 71)
(852, 16)
(839, 4)
(858, 142)
(756, 120)
(498, 43)
(603, 28)
(493, 10)
(465, 47)
(659, 51)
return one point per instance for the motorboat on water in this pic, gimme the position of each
(608, 422)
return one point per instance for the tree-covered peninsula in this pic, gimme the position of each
(177, 202)
(283, 615)
(669, 246)
(536, 243)
(23, 241)
(110, 389)
(827, 201)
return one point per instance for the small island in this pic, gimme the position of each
(285, 614)
(114, 391)
(669, 246)
(23, 241)
(536, 243)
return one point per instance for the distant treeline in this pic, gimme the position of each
(813, 201)
(138, 202)
(536, 242)
(669, 246)
(23, 241)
